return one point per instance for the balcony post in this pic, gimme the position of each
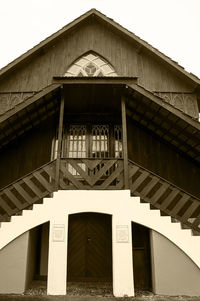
(124, 142)
(60, 130)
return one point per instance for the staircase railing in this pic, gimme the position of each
(165, 196)
(73, 174)
(100, 174)
(26, 191)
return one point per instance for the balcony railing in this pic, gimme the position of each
(91, 173)
(100, 174)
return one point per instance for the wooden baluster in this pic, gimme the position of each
(124, 143)
(60, 129)
(143, 176)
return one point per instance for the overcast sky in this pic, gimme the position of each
(172, 26)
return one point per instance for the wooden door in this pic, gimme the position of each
(89, 247)
(141, 257)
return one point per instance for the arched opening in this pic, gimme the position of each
(89, 251)
(141, 257)
(90, 64)
(37, 259)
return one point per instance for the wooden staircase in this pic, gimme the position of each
(165, 196)
(25, 192)
(101, 174)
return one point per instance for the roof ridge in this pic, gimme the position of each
(114, 24)
(86, 14)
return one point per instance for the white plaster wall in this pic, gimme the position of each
(123, 209)
(109, 202)
(31, 256)
(13, 259)
(173, 272)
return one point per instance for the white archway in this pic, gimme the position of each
(123, 208)
(108, 202)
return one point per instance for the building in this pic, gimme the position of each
(99, 164)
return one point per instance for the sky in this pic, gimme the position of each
(171, 26)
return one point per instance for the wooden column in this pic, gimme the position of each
(60, 129)
(124, 142)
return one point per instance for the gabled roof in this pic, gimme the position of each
(141, 44)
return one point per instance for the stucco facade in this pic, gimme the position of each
(169, 262)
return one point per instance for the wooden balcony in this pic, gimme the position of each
(96, 174)
(100, 174)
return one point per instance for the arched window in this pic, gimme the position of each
(91, 65)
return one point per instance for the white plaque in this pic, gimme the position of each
(122, 233)
(58, 232)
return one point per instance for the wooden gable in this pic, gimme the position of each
(94, 32)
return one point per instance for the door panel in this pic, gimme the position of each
(89, 247)
(141, 257)
(76, 247)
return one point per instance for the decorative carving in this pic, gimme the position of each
(9, 100)
(186, 102)
(90, 65)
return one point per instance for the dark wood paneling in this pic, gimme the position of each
(161, 159)
(156, 75)
(89, 247)
(123, 55)
(56, 59)
(28, 153)
(141, 257)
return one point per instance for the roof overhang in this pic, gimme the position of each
(146, 109)
(29, 114)
(164, 121)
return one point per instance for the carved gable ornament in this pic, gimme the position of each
(90, 65)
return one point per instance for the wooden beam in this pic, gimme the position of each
(127, 80)
(124, 143)
(60, 129)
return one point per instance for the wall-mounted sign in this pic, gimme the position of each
(122, 233)
(58, 233)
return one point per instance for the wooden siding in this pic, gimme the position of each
(55, 60)
(161, 159)
(10, 100)
(122, 54)
(25, 155)
(155, 75)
